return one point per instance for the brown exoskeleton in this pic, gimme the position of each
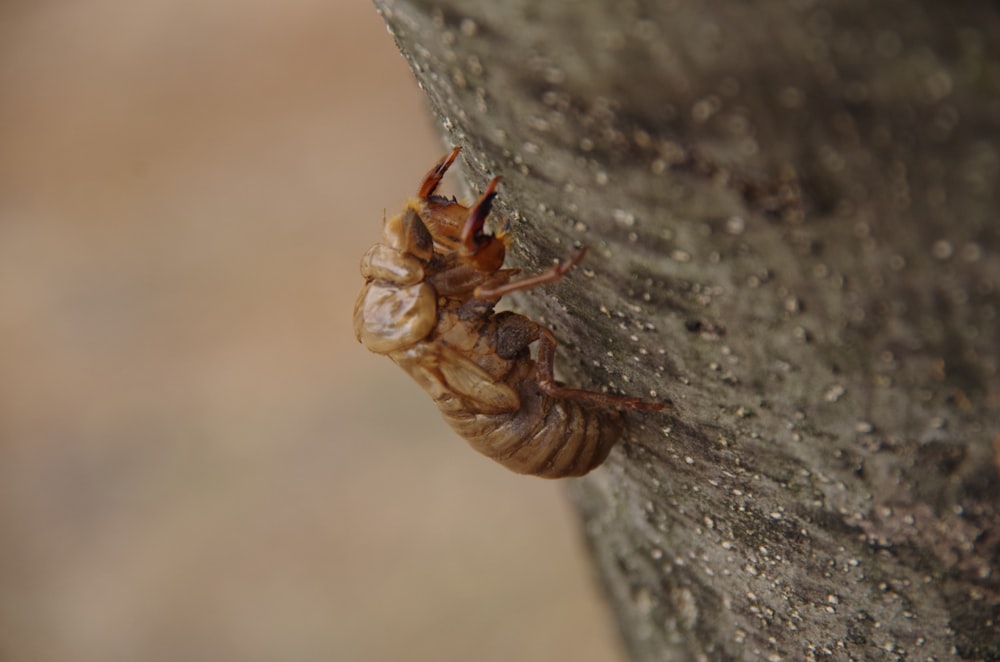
(427, 303)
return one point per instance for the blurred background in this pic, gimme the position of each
(197, 459)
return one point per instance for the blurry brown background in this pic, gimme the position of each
(197, 459)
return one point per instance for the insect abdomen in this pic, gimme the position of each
(546, 437)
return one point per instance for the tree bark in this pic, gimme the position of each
(792, 211)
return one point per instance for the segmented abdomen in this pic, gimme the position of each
(545, 437)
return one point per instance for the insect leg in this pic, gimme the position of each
(473, 236)
(544, 278)
(546, 381)
(436, 174)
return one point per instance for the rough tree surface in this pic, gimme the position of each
(792, 210)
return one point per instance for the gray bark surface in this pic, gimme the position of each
(791, 207)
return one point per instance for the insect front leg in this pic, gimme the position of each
(485, 252)
(473, 237)
(434, 176)
(546, 381)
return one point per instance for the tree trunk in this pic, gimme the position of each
(792, 212)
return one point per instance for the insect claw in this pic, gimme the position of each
(472, 231)
(638, 404)
(571, 261)
(434, 176)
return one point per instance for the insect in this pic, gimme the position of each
(431, 285)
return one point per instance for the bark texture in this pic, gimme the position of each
(792, 211)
